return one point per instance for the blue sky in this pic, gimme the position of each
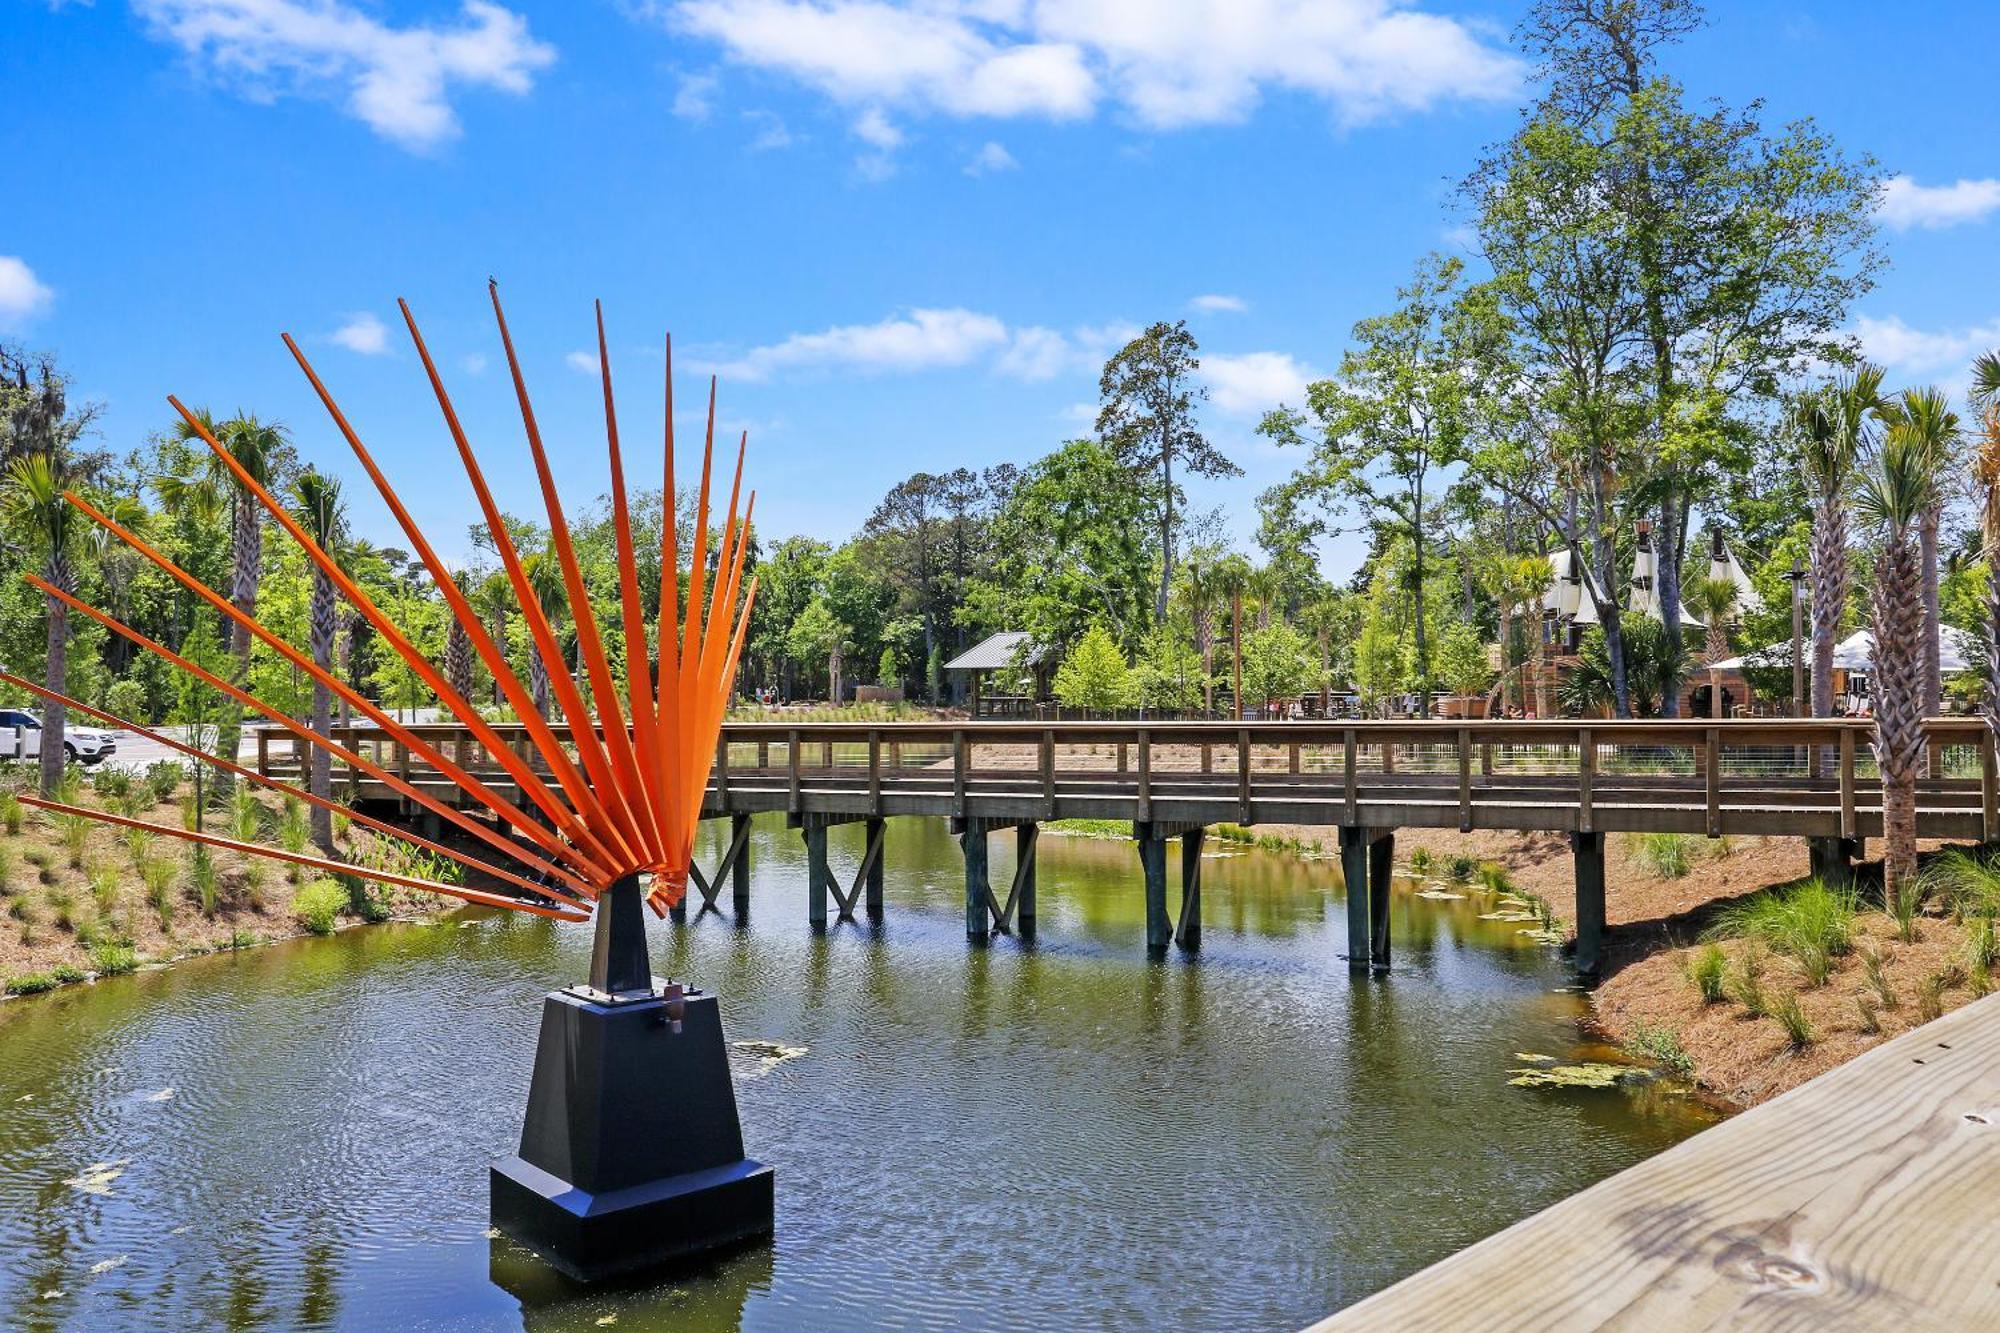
(905, 234)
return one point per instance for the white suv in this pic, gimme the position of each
(21, 738)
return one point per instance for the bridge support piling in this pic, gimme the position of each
(874, 853)
(1354, 870)
(1027, 837)
(739, 870)
(819, 876)
(1832, 859)
(978, 885)
(1589, 853)
(1153, 865)
(1187, 930)
(1381, 869)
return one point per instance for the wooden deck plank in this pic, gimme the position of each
(1863, 1199)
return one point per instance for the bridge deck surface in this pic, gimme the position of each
(1863, 1199)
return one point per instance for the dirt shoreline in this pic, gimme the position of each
(1646, 1000)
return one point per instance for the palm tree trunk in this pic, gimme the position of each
(1927, 536)
(57, 677)
(1829, 598)
(246, 564)
(1899, 713)
(323, 627)
(538, 680)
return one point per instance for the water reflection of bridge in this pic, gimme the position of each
(1809, 778)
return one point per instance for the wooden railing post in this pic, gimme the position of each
(1047, 760)
(1144, 803)
(1464, 780)
(793, 803)
(1989, 788)
(1243, 776)
(960, 765)
(1350, 785)
(874, 772)
(1712, 749)
(722, 770)
(264, 751)
(1847, 819)
(1586, 771)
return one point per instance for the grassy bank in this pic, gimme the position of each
(82, 899)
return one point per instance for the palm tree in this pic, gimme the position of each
(458, 662)
(545, 581)
(317, 508)
(210, 488)
(1986, 469)
(1518, 584)
(35, 512)
(1832, 426)
(1233, 576)
(1714, 600)
(1895, 492)
(1202, 598)
(1933, 426)
(495, 600)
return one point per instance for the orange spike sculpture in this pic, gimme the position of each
(632, 1153)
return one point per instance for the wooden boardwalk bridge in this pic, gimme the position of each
(1809, 778)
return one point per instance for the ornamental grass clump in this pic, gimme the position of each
(318, 904)
(1706, 970)
(1667, 855)
(1799, 1032)
(1811, 923)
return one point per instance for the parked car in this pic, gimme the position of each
(21, 738)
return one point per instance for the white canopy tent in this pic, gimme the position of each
(1957, 651)
(1722, 565)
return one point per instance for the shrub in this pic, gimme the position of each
(246, 817)
(1422, 862)
(1667, 855)
(139, 842)
(163, 778)
(111, 783)
(1877, 979)
(1746, 985)
(1962, 883)
(1460, 869)
(318, 904)
(1930, 994)
(1812, 923)
(75, 833)
(1798, 1032)
(69, 974)
(1662, 1046)
(32, 983)
(104, 885)
(6, 869)
(113, 960)
(12, 812)
(1705, 970)
(1494, 877)
(202, 871)
(159, 875)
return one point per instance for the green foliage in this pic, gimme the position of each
(1653, 665)
(163, 778)
(246, 816)
(32, 983)
(1460, 869)
(1661, 1046)
(317, 905)
(206, 881)
(127, 699)
(1667, 855)
(160, 876)
(1169, 675)
(1705, 970)
(1278, 663)
(1798, 1031)
(1812, 923)
(1422, 862)
(113, 960)
(13, 813)
(1462, 661)
(1745, 985)
(1093, 675)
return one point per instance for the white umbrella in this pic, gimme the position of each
(1957, 651)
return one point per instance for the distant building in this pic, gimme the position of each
(1010, 648)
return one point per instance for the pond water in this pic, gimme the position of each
(1056, 1134)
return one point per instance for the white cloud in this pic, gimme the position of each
(22, 295)
(1217, 303)
(1906, 204)
(1165, 63)
(363, 333)
(772, 133)
(991, 157)
(696, 96)
(584, 363)
(1909, 351)
(1256, 382)
(919, 340)
(396, 80)
(873, 128)
(473, 363)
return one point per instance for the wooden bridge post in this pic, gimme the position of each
(1381, 870)
(1589, 853)
(1354, 870)
(1187, 930)
(1026, 838)
(1153, 865)
(978, 888)
(819, 876)
(873, 903)
(739, 870)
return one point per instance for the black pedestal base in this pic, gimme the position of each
(631, 1155)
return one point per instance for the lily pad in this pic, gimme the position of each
(1589, 1074)
(1439, 895)
(1534, 1058)
(1508, 916)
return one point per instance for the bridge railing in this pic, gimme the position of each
(1821, 762)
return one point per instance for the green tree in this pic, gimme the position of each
(1655, 664)
(819, 633)
(1279, 663)
(1397, 412)
(1093, 675)
(1149, 392)
(1170, 675)
(50, 529)
(317, 508)
(1462, 661)
(1985, 400)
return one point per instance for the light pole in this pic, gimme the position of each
(1798, 581)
